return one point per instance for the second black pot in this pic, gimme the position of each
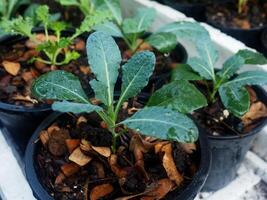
(189, 193)
(228, 152)
(195, 10)
(21, 121)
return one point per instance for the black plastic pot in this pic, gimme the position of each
(229, 152)
(195, 10)
(21, 121)
(40, 193)
(253, 37)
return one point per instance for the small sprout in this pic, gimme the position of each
(54, 46)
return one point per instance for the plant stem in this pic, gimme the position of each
(43, 61)
(114, 141)
(46, 33)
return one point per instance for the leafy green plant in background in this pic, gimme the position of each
(87, 7)
(134, 28)
(8, 8)
(52, 49)
(105, 58)
(223, 83)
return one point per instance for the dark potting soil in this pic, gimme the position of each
(98, 173)
(226, 15)
(217, 121)
(15, 89)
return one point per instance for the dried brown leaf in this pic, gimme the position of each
(139, 146)
(101, 191)
(189, 147)
(86, 146)
(158, 146)
(11, 67)
(72, 144)
(252, 95)
(69, 169)
(104, 151)
(257, 110)
(79, 157)
(169, 165)
(44, 137)
(27, 76)
(24, 98)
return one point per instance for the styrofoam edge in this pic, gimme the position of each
(13, 184)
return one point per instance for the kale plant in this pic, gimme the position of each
(87, 7)
(52, 48)
(105, 59)
(224, 83)
(8, 8)
(133, 30)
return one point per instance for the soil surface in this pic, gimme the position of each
(16, 82)
(74, 161)
(217, 121)
(226, 15)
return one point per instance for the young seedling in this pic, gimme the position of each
(52, 48)
(221, 83)
(87, 7)
(105, 58)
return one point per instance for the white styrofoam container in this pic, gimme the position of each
(13, 185)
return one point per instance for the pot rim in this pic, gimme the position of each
(188, 193)
(203, 4)
(257, 129)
